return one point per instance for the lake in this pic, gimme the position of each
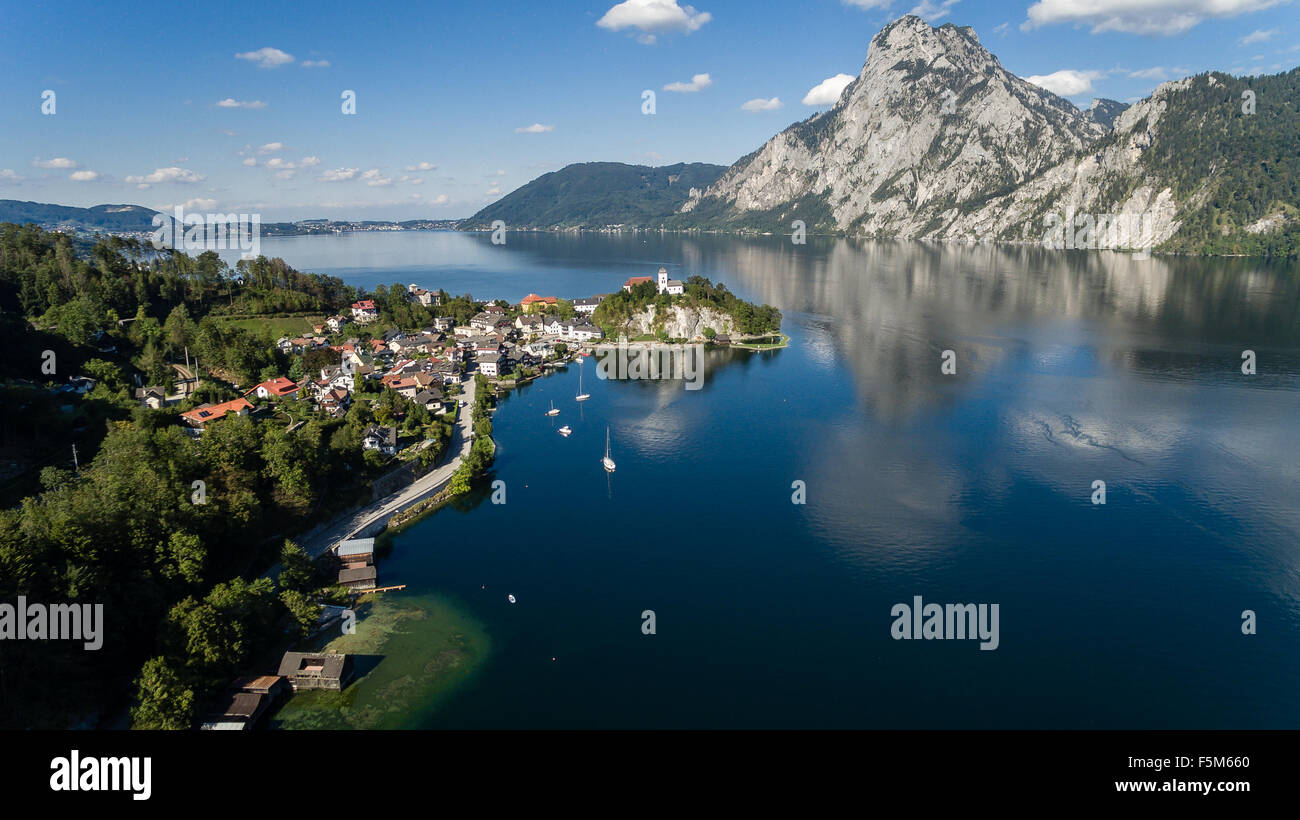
(975, 487)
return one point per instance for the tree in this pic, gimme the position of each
(304, 613)
(165, 702)
(296, 571)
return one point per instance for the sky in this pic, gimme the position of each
(239, 107)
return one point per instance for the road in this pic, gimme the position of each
(423, 487)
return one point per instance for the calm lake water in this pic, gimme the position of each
(973, 488)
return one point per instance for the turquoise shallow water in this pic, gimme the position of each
(970, 488)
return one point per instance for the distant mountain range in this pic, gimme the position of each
(936, 140)
(107, 218)
(598, 195)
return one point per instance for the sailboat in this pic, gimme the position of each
(607, 461)
(565, 431)
(581, 395)
(552, 411)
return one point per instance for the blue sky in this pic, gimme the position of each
(446, 92)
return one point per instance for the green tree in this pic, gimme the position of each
(164, 701)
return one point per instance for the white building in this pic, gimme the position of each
(670, 286)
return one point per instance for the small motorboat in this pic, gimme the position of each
(565, 430)
(510, 598)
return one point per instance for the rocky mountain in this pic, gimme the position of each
(1104, 111)
(935, 140)
(598, 195)
(932, 126)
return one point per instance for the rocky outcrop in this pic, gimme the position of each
(679, 322)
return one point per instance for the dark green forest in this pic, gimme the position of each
(127, 530)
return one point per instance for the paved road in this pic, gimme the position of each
(423, 487)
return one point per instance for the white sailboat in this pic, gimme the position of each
(581, 395)
(607, 461)
(552, 411)
(565, 431)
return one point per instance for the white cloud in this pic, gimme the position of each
(375, 179)
(1001, 29)
(8, 175)
(760, 104)
(535, 128)
(339, 175)
(933, 11)
(421, 166)
(271, 148)
(1257, 36)
(250, 162)
(83, 176)
(315, 63)
(501, 172)
(173, 174)
(266, 57)
(1155, 72)
(62, 163)
(287, 173)
(828, 90)
(440, 199)
(652, 17)
(867, 4)
(410, 180)
(230, 102)
(196, 204)
(1166, 17)
(698, 82)
(495, 190)
(1067, 82)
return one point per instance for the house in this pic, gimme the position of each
(382, 439)
(152, 397)
(277, 388)
(555, 325)
(464, 331)
(284, 345)
(449, 371)
(495, 310)
(310, 670)
(534, 303)
(405, 386)
(530, 324)
(443, 324)
(205, 413)
(430, 399)
(428, 298)
(359, 578)
(270, 685)
(538, 350)
(364, 311)
(633, 281)
(236, 711)
(335, 402)
(486, 344)
(336, 323)
(670, 286)
(483, 322)
(581, 331)
(358, 551)
(588, 306)
(489, 364)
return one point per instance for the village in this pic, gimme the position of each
(504, 344)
